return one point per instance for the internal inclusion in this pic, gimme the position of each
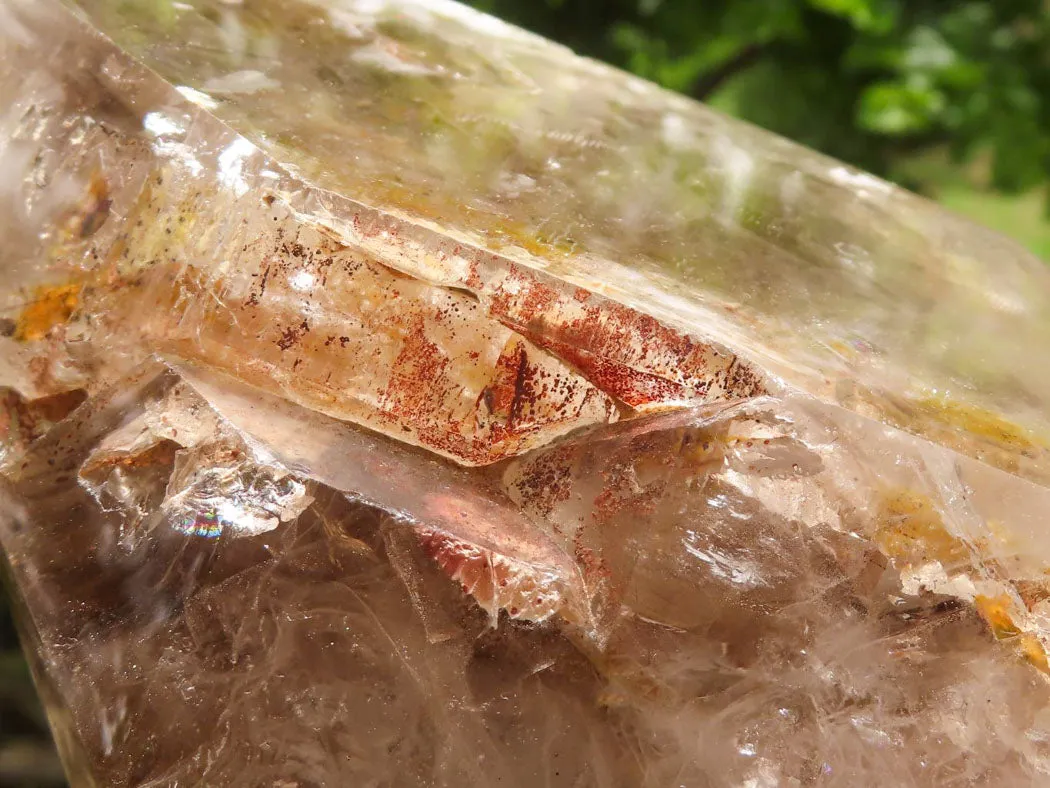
(635, 531)
(672, 596)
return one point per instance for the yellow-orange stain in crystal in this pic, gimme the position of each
(1000, 533)
(996, 611)
(516, 234)
(1033, 651)
(980, 422)
(96, 207)
(49, 306)
(842, 348)
(910, 530)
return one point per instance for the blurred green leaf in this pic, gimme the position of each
(1018, 146)
(893, 108)
(867, 81)
(875, 16)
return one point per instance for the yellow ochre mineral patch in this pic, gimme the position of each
(50, 306)
(979, 422)
(910, 530)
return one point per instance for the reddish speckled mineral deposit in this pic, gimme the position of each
(389, 397)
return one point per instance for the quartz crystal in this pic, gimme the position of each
(390, 397)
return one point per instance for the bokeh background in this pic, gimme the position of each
(949, 98)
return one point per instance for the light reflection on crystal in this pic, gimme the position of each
(207, 524)
(160, 125)
(197, 97)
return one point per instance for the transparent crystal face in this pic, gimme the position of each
(388, 396)
(836, 281)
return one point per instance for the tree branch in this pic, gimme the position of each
(713, 80)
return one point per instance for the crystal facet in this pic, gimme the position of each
(390, 397)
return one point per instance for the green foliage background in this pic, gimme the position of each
(950, 98)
